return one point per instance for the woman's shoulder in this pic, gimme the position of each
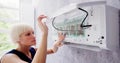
(9, 54)
(11, 58)
(8, 58)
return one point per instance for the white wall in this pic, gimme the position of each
(27, 12)
(114, 3)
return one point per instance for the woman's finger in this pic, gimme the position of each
(41, 17)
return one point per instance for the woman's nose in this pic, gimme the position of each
(33, 35)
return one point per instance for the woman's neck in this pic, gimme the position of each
(25, 50)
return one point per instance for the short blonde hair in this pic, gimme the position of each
(17, 30)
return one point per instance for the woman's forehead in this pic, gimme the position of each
(28, 31)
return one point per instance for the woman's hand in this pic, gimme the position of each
(42, 25)
(58, 43)
(61, 37)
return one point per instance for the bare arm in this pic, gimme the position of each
(40, 56)
(57, 44)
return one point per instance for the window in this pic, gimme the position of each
(9, 14)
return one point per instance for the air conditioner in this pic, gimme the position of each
(89, 25)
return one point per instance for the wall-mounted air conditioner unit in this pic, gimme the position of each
(89, 25)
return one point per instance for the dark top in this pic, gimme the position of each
(22, 56)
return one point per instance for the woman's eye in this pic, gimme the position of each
(28, 34)
(32, 32)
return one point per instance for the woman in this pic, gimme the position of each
(23, 35)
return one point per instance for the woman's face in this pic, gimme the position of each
(28, 38)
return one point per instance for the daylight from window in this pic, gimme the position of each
(9, 14)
